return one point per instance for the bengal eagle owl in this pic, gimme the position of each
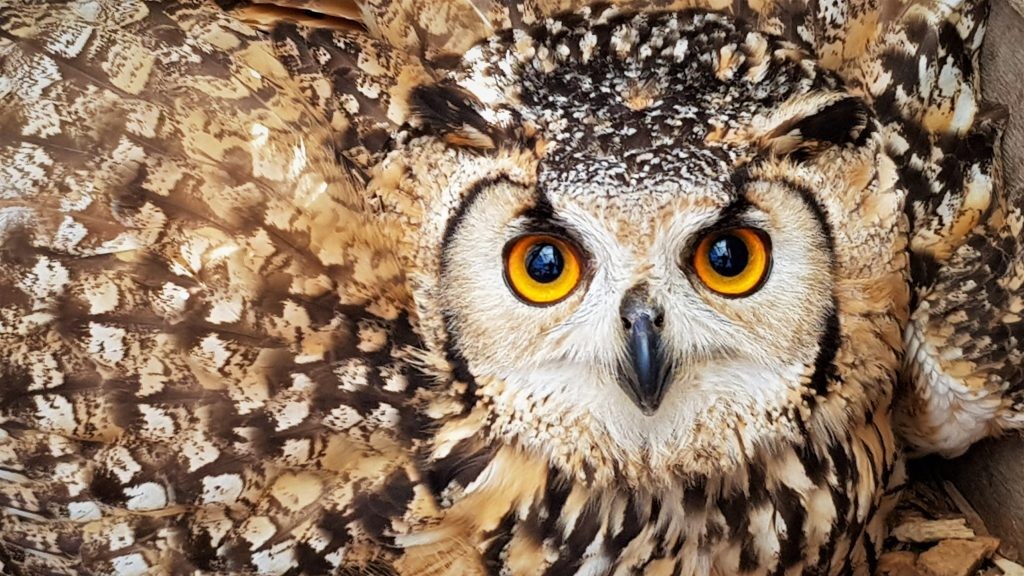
(467, 287)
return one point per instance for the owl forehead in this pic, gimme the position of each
(637, 104)
(633, 197)
(666, 173)
(633, 221)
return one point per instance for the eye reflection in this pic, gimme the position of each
(728, 256)
(544, 263)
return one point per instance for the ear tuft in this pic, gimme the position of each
(809, 127)
(453, 112)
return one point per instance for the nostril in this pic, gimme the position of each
(646, 318)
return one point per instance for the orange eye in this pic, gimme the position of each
(541, 269)
(733, 262)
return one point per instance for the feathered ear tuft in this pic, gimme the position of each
(454, 114)
(805, 126)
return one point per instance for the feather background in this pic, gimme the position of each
(208, 347)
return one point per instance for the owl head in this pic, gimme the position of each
(668, 242)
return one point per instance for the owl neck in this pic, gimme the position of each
(814, 504)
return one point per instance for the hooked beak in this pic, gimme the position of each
(648, 380)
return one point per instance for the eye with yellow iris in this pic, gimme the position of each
(733, 262)
(541, 269)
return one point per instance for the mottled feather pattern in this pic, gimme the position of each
(224, 344)
(201, 325)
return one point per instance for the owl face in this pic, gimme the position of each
(641, 259)
(642, 341)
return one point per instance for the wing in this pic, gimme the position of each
(206, 340)
(963, 370)
(964, 362)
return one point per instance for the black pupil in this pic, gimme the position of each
(544, 263)
(728, 255)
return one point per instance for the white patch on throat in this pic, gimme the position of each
(714, 414)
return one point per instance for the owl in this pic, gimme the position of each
(447, 287)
